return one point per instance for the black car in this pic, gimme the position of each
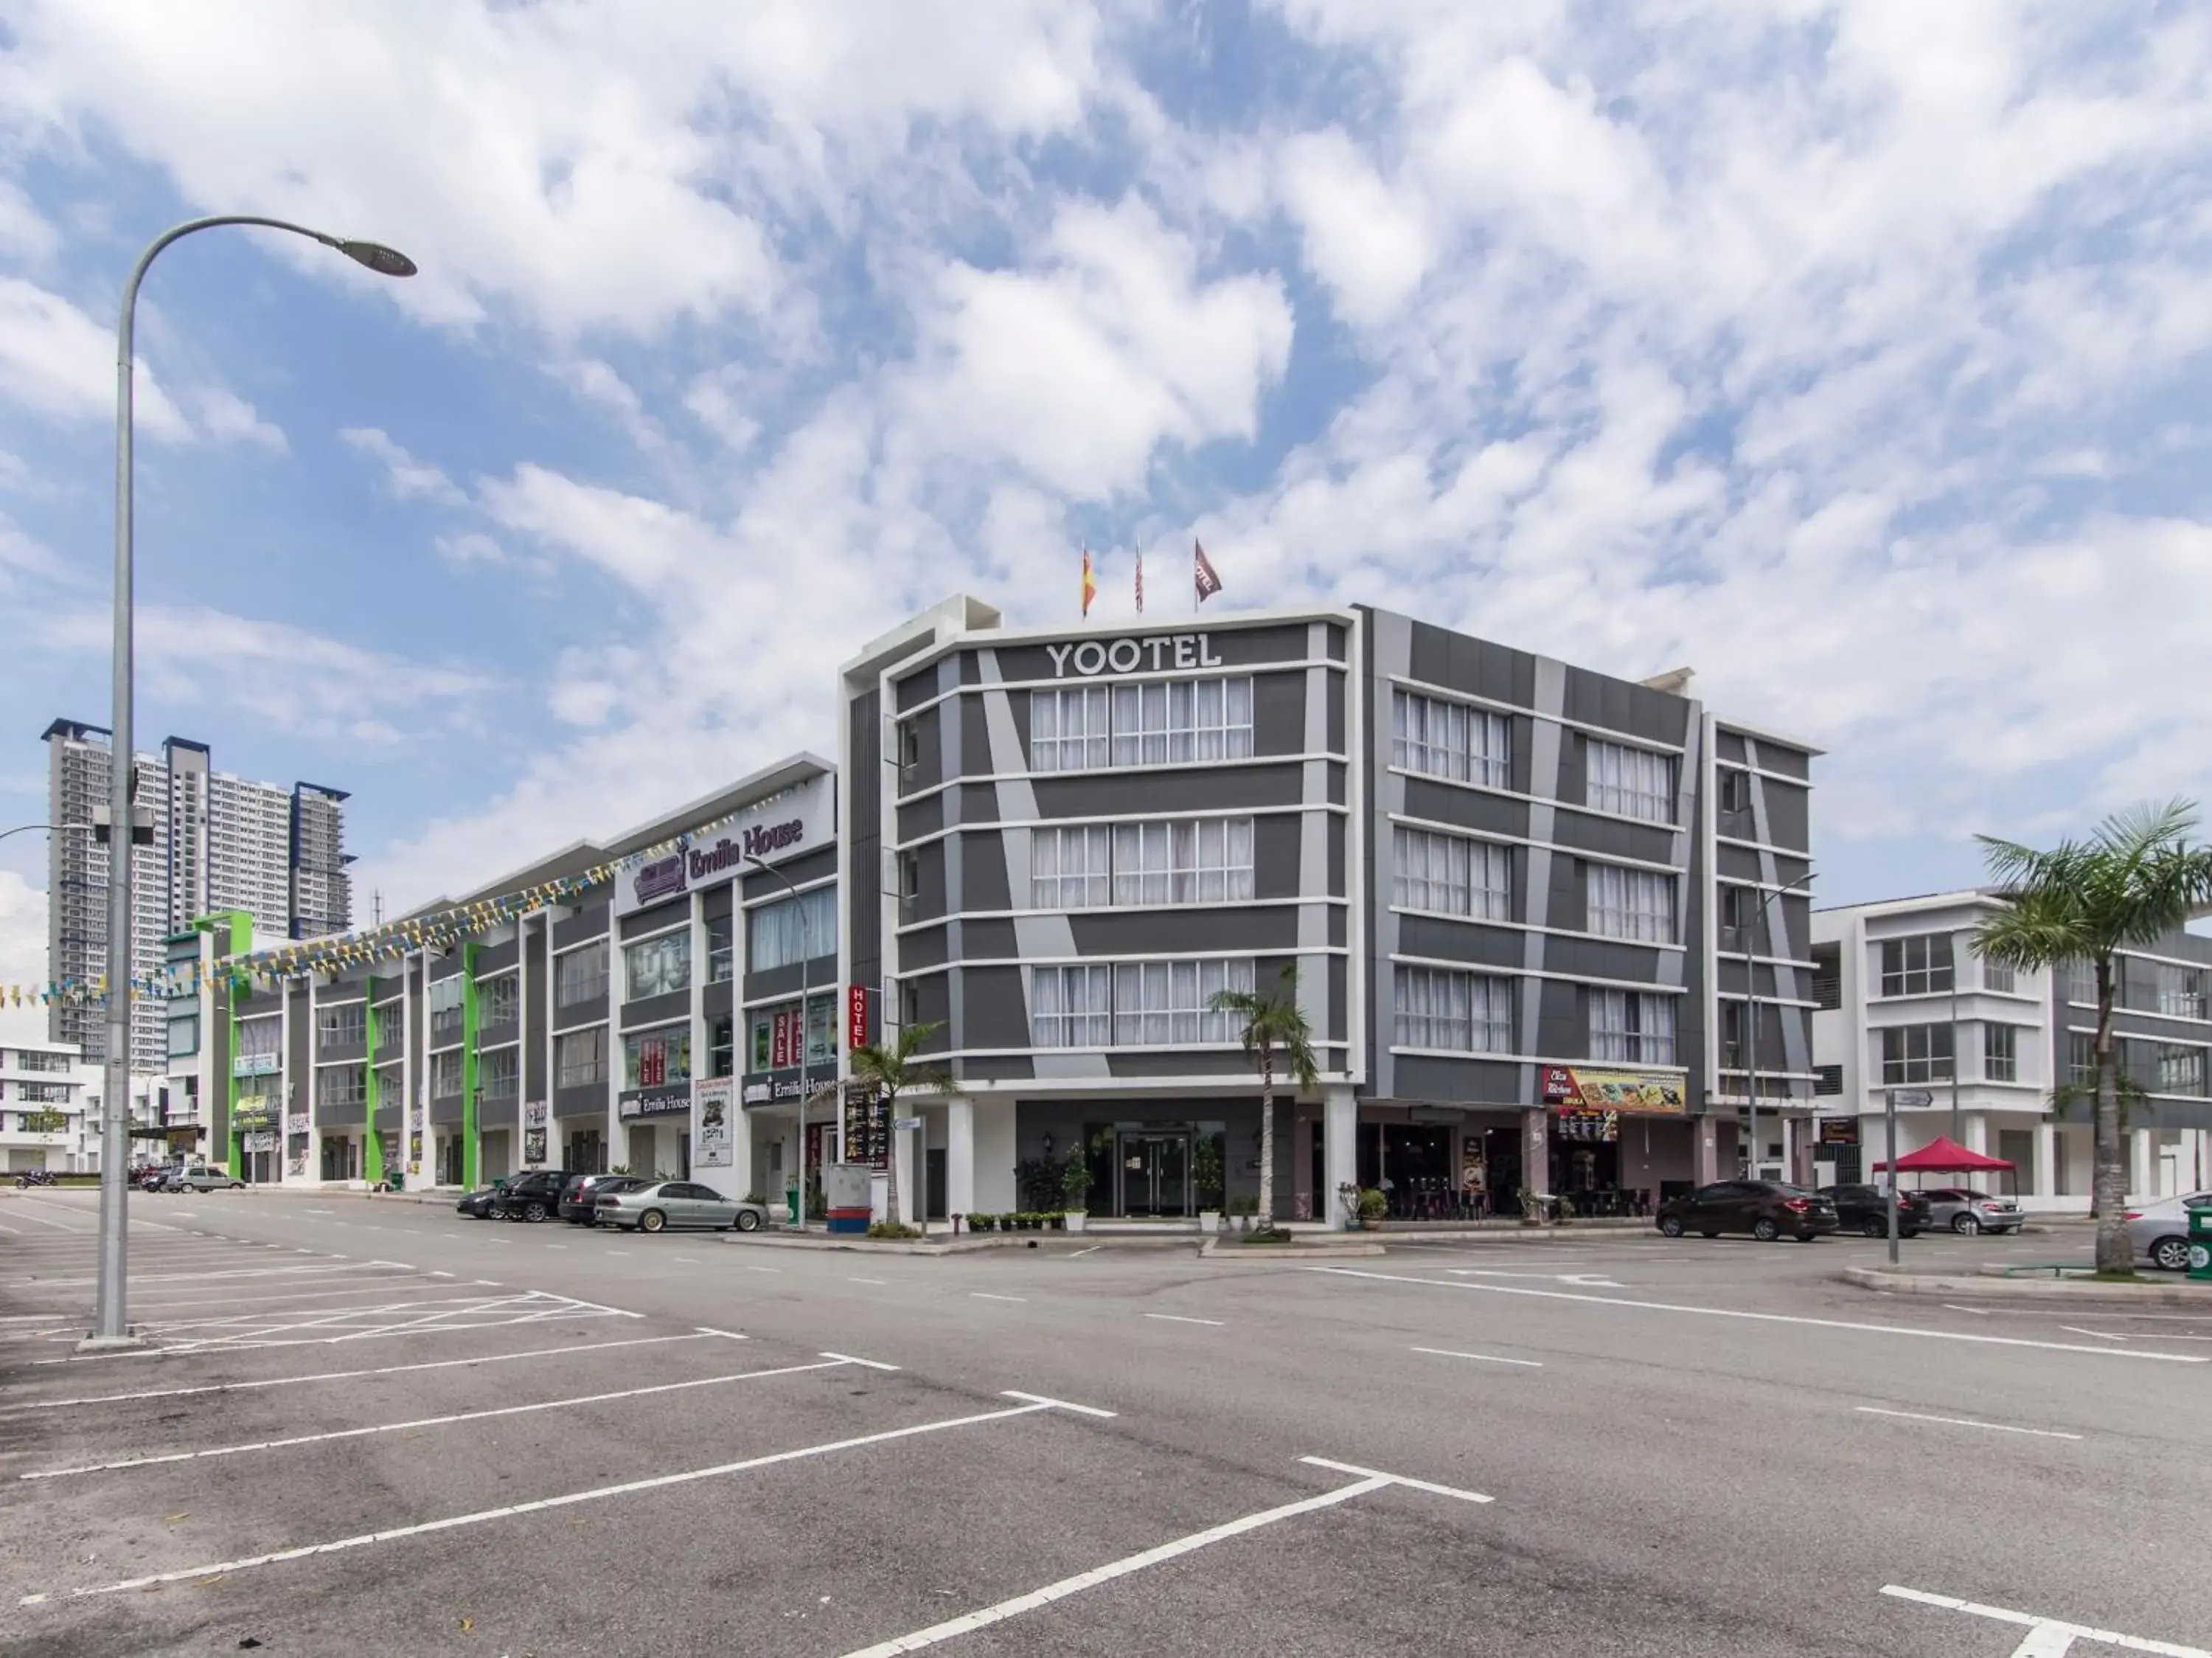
(1866, 1208)
(531, 1197)
(476, 1204)
(1766, 1208)
(582, 1192)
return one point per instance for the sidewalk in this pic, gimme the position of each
(1997, 1283)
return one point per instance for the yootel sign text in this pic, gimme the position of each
(1161, 651)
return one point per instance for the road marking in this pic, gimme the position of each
(1410, 1484)
(1091, 1250)
(2049, 1638)
(726, 1335)
(985, 1295)
(441, 1275)
(616, 1252)
(879, 1282)
(2097, 1335)
(763, 1269)
(339, 1375)
(1177, 1317)
(1586, 1280)
(423, 1421)
(872, 1364)
(1768, 1318)
(1487, 1358)
(320, 1211)
(1963, 1422)
(557, 1246)
(1057, 1404)
(1978, 1312)
(688, 1260)
(627, 1487)
(196, 1277)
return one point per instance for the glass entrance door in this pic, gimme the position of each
(1155, 1174)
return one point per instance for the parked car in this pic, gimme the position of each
(660, 1205)
(476, 1204)
(1766, 1208)
(204, 1177)
(531, 1196)
(579, 1198)
(2159, 1230)
(152, 1178)
(1866, 1208)
(1967, 1211)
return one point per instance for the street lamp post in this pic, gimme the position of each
(805, 1013)
(1955, 1140)
(1751, 1018)
(109, 1327)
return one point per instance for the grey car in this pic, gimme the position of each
(2160, 1229)
(665, 1205)
(204, 1177)
(1963, 1210)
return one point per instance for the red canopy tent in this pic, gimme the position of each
(1944, 1156)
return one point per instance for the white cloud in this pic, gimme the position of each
(595, 382)
(22, 946)
(1368, 244)
(57, 361)
(471, 547)
(407, 478)
(228, 418)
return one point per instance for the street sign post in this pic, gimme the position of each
(1911, 1099)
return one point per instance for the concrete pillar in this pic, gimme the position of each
(2142, 1176)
(993, 1162)
(1708, 1150)
(910, 1178)
(2046, 1161)
(1536, 1151)
(741, 1130)
(1339, 1150)
(960, 1155)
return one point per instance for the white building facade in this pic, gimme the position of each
(49, 1108)
(1905, 1006)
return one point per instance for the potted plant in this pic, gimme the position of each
(1074, 1187)
(1348, 1195)
(1373, 1206)
(982, 1222)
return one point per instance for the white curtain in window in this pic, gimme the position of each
(1633, 782)
(1638, 903)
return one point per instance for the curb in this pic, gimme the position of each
(1884, 1282)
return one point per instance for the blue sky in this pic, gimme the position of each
(1854, 354)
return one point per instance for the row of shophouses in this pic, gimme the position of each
(1550, 928)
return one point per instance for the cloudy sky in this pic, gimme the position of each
(1852, 354)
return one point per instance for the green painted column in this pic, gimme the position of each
(471, 1141)
(372, 1149)
(226, 1010)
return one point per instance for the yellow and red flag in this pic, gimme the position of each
(1090, 581)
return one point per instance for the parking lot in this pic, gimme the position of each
(374, 1427)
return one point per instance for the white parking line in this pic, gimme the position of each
(879, 1282)
(1177, 1317)
(1057, 1404)
(2097, 1335)
(872, 1364)
(985, 1295)
(2049, 1636)
(344, 1375)
(1487, 1358)
(1763, 1318)
(1964, 1422)
(1978, 1312)
(425, 1421)
(627, 1487)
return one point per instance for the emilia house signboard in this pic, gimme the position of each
(797, 820)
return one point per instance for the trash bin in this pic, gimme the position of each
(791, 1204)
(2200, 1244)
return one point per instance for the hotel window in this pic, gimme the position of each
(1997, 975)
(719, 951)
(1161, 1003)
(2181, 992)
(1915, 1053)
(2082, 984)
(1175, 721)
(341, 1085)
(1921, 966)
(346, 1026)
(1071, 1007)
(1441, 739)
(446, 1016)
(1201, 861)
(784, 932)
(580, 1058)
(1735, 791)
(2001, 1053)
(1638, 903)
(1634, 1027)
(2181, 1070)
(1068, 868)
(581, 975)
(657, 966)
(652, 1059)
(258, 1039)
(1451, 875)
(499, 1001)
(499, 1076)
(1068, 729)
(1630, 783)
(2081, 1059)
(446, 1073)
(1453, 1012)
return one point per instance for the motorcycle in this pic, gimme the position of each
(31, 1177)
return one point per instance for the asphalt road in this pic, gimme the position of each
(374, 1427)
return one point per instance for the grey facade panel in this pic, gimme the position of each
(388, 1119)
(989, 940)
(720, 899)
(976, 731)
(926, 947)
(447, 1107)
(659, 919)
(1621, 705)
(352, 995)
(1185, 932)
(1174, 1062)
(591, 1011)
(1279, 713)
(1467, 808)
(995, 1010)
(535, 1016)
(718, 998)
(921, 756)
(1789, 813)
(1608, 958)
(1610, 837)
(819, 974)
(493, 1036)
(923, 817)
(1472, 943)
(299, 1053)
(1222, 649)
(1276, 840)
(587, 1100)
(1336, 691)
(979, 801)
(336, 1052)
(916, 688)
(1727, 744)
(445, 966)
(586, 924)
(1459, 1082)
(928, 899)
(999, 1067)
(1738, 863)
(1562, 1018)
(984, 871)
(655, 1009)
(1772, 755)
(1195, 788)
(1339, 880)
(497, 958)
(819, 864)
(1566, 903)
(864, 853)
(1476, 667)
(354, 1114)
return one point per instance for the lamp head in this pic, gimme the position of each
(385, 261)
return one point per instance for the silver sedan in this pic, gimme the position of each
(665, 1205)
(2160, 1229)
(1964, 1209)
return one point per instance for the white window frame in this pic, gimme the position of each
(1068, 728)
(1638, 905)
(675, 1042)
(1632, 1027)
(1629, 781)
(1438, 738)
(1071, 867)
(1451, 874)
(568, 1073)
(1918, 971)
(579, 975)
(499, 1076)
(1917, 1060)
(2000, 1052)
(1446, 1010)
(1070, 1006)
(499, 985)
(1168, 1004)
(779, 933)
(449, 1061)
(1180, 721)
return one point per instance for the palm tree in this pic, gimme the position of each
(890, 1067)
(1273, 1028)
(2134, 879)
